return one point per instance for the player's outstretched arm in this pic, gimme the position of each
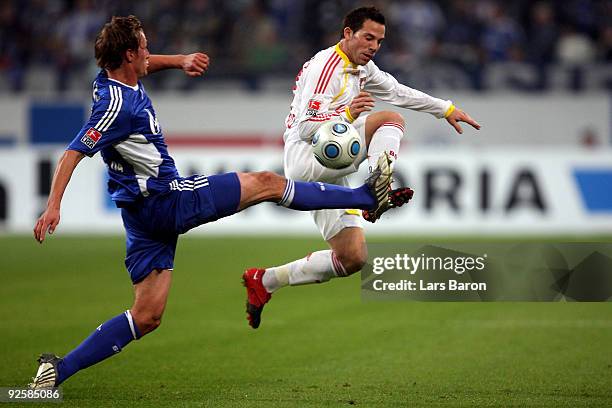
(194, 65)
(51, 216)
(456, 116)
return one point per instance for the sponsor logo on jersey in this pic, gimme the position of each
(91, 137)
(313, 107)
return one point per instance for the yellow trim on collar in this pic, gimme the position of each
(347, 63)
(344, 82)
(342, 54)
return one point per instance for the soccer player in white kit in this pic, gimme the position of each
(340, 83)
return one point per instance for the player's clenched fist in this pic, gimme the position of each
(361, 103)
(195, 64)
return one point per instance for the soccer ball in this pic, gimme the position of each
(336, 144)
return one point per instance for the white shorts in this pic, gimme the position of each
(300, 164)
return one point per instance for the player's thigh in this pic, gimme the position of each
(151, 295)
(150, 238)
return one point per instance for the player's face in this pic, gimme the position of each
(363, 44)
(141, 62)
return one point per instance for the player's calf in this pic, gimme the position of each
(150, 299)
(384, 131)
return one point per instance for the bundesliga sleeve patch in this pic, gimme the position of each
(313, 107)
(91, 137)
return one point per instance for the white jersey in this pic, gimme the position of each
(327, 84)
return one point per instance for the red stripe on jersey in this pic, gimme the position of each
(322, 118)
(340, 109)
(329, 61)
(329, 74)
(326, 74)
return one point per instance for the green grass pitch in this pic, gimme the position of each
(318, 346)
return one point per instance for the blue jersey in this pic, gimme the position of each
(124, 128)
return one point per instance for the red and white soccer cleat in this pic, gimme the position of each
(257, 295)
(400, 196)
(396, 198)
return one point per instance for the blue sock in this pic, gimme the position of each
(107, 340)
(305, 196)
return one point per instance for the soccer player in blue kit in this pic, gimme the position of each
(157, 205)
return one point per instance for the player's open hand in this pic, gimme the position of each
(195, 64)
(361, 103)
(460, 116)
(47, 222)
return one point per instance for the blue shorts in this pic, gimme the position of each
(153, 224)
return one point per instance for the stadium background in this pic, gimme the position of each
(536, 75)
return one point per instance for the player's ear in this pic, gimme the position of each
(130, 55)
(347, 33)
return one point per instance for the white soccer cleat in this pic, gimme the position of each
(379, 183)
(46, 376)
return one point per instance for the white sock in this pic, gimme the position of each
(317, 267)
(386, 138)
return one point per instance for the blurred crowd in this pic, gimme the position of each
(462, 44)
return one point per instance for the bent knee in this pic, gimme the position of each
(270, 185)
(353, 261)
(393, 117)
(147, 322)
(257, 187)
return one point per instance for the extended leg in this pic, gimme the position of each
(304, 196)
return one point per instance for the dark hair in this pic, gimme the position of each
(115, 38)
(355, 18)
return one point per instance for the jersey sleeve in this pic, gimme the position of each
(386, 88)
(318, 89)
(109, 123)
